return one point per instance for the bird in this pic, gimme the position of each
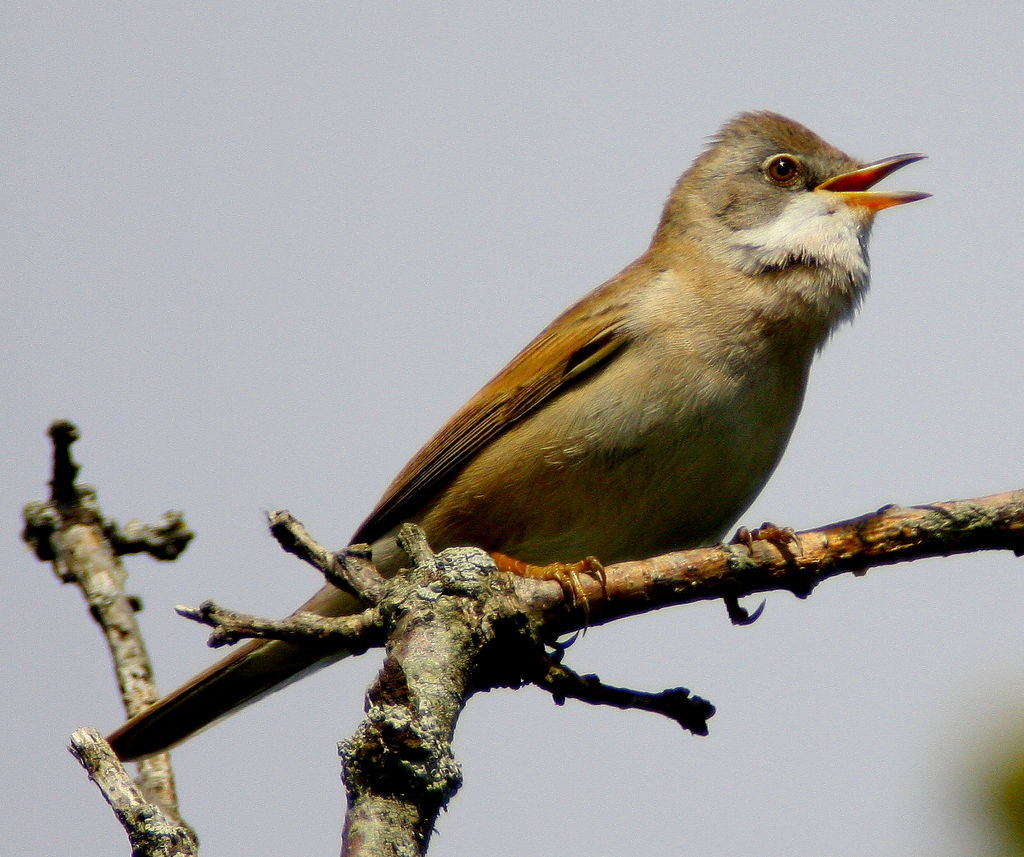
(643, 419)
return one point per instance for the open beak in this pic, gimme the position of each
(853, 186)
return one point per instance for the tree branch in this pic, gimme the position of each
(350, 569)
(797, 563)
(677, 703)
(70, 531)
(355, 633)
(453, 626)
(398, 768)
(150, 832)
(164, 540)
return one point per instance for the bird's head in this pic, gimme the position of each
(768, 194)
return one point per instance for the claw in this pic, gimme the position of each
(744, 537)
(738, 614)
(784, 538)
(558, 647)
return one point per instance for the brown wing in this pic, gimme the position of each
(557, 358)
(571, 347)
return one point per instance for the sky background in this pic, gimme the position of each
(260, 252)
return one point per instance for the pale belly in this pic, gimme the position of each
(664, 465)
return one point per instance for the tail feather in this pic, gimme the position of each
(248, 674)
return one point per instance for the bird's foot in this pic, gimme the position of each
(784, 538)
(567, 574)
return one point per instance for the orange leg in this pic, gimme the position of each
(566, 573)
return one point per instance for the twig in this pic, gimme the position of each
(69, 530)
(677, 703)
(890, 535)
(164, 540)
(355, 633)
(354, 564)
(349, 569)
(150, 831)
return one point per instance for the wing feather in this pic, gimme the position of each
(571, 348)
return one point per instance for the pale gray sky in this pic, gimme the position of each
(259, 252)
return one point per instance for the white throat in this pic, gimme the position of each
(816, 229)
(815, 253)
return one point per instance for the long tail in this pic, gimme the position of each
(250, 673)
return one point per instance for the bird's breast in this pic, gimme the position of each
(662, 449)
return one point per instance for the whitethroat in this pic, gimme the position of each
(645, 418)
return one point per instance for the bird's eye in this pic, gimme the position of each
(782, 170)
